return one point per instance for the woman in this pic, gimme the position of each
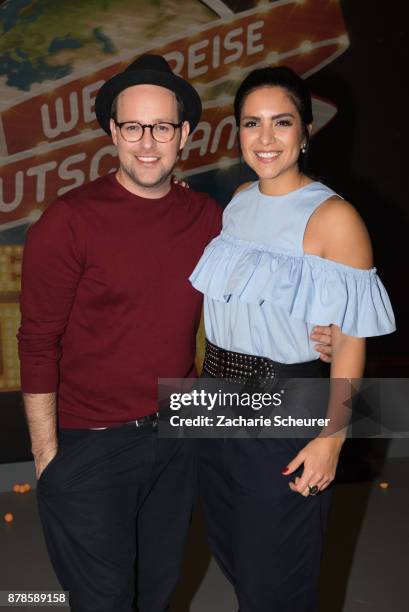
(291, 254)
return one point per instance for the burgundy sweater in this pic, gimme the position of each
(106, 304)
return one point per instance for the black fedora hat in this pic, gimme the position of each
(148, 70)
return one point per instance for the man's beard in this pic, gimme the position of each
(161, 180)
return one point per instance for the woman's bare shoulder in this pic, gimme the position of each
(338, 231)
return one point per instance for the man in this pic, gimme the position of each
(107, 309)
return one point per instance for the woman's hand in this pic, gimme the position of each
(320, 459)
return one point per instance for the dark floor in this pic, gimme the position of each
(365, 567)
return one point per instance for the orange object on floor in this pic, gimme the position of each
(8, 517)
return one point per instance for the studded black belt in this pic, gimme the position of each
(254, 370)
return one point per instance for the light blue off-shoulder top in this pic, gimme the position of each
(263, 294)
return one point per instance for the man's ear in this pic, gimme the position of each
(114, 134)
(184, 130)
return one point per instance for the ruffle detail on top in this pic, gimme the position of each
(311, 288)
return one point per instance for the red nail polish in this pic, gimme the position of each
(285, 470)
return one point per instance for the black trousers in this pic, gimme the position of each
(266, 538)
(113, 501)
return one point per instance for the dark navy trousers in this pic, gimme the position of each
(116, 507)
(266, 538)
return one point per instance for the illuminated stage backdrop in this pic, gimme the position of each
(53, 59)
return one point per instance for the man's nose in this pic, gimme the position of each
(147, 139)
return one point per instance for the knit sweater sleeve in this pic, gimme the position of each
(52, 268)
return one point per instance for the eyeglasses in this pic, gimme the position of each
(132, 131)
